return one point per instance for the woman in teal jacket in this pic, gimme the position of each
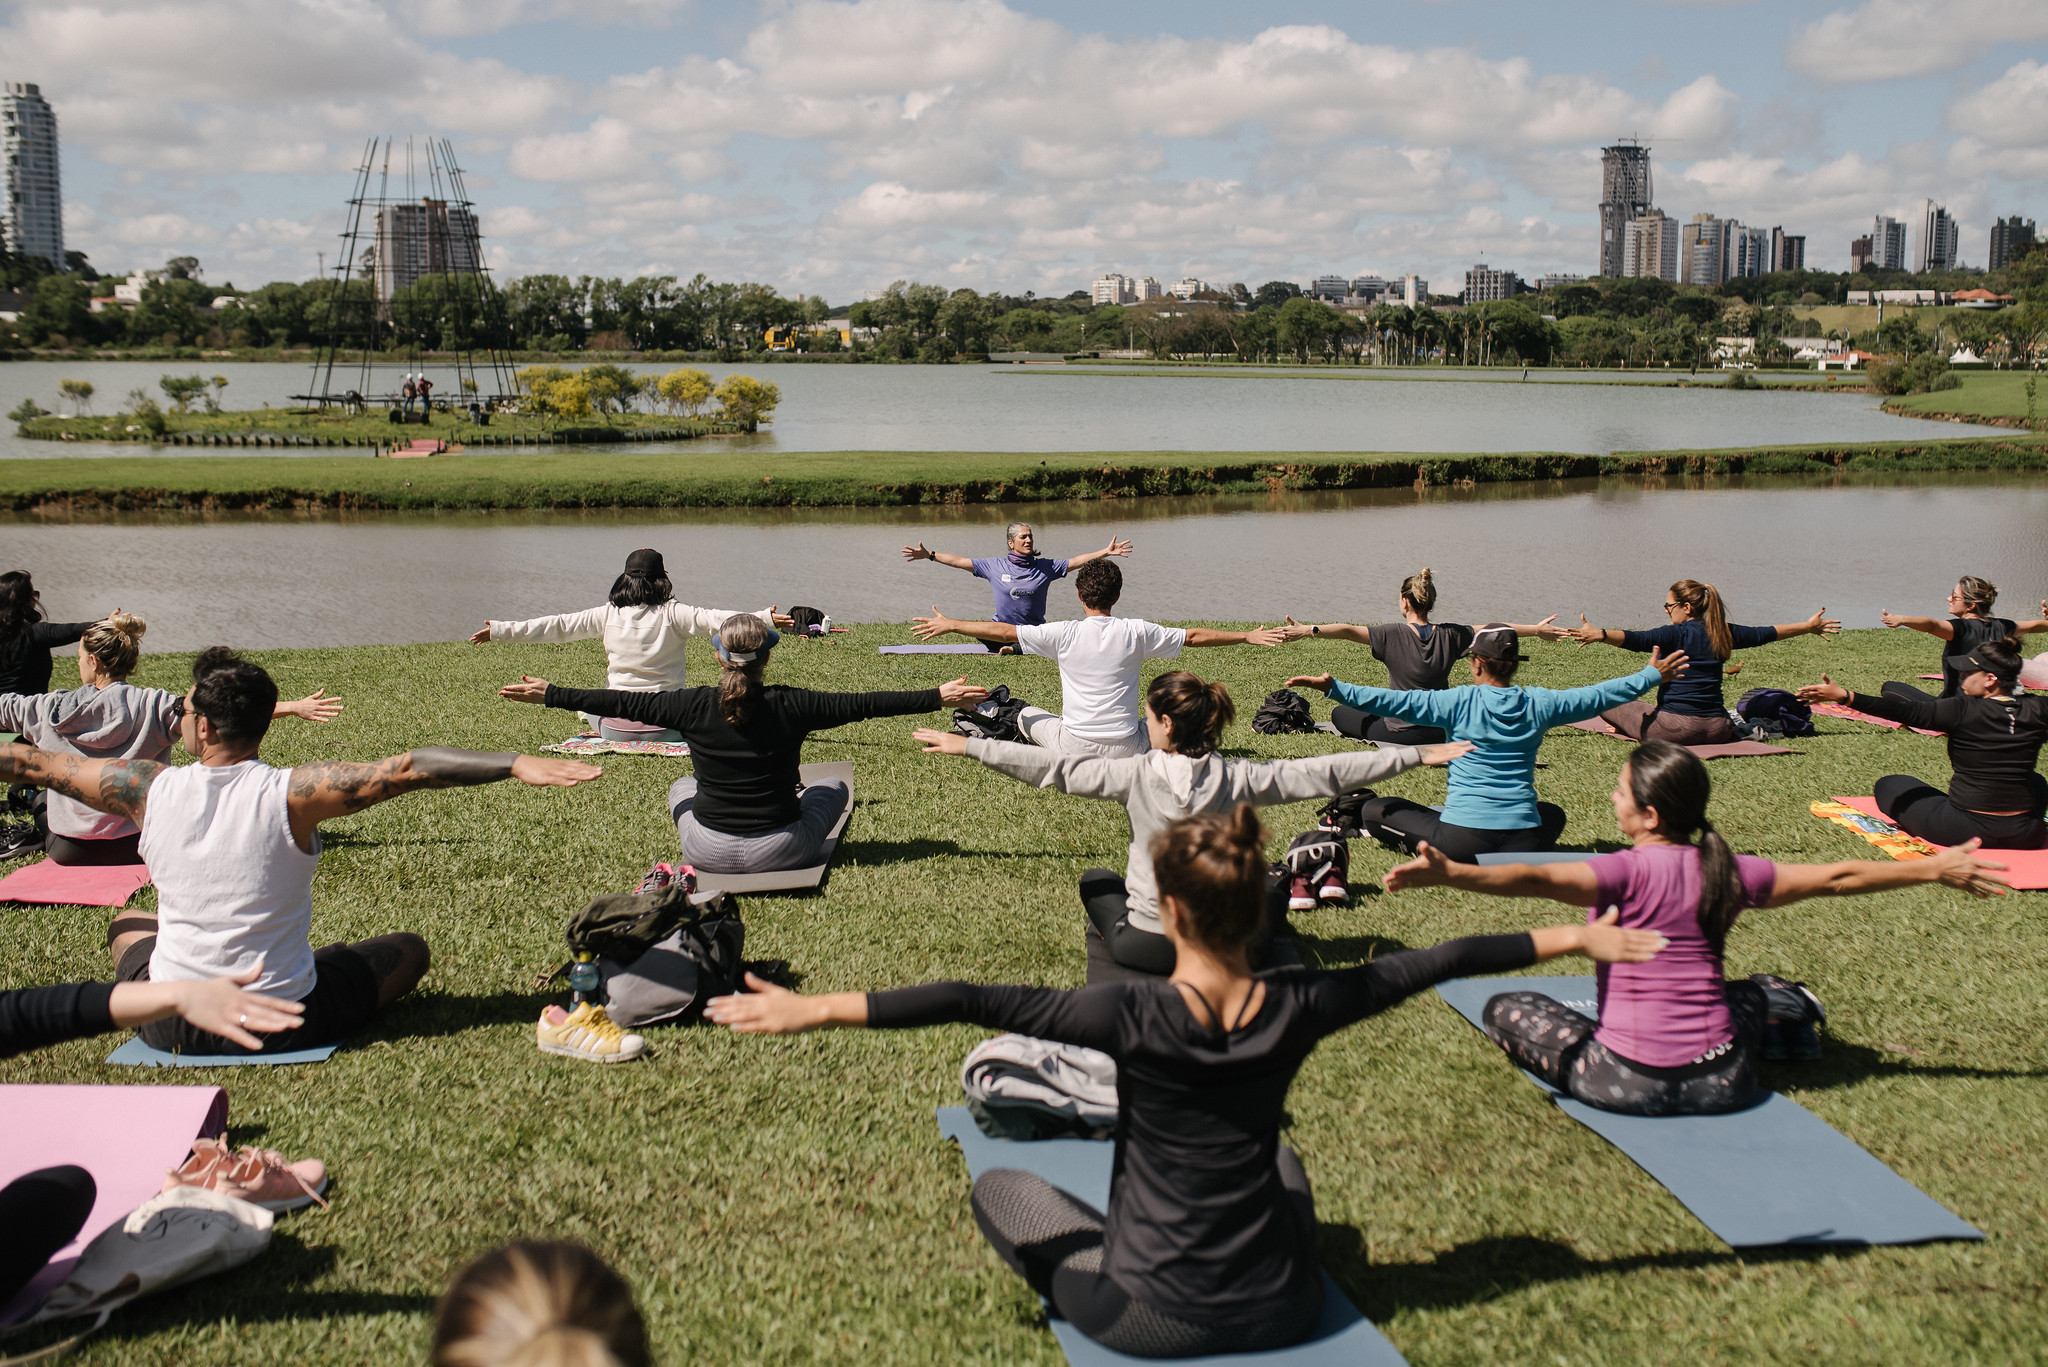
(1492, 804)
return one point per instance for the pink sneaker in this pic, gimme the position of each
(258, 1176)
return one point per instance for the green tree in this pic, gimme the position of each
(220, 389)
(747, 401)
(26, 412)
(60, 307)
(182, 390)
(965, 320)
(685, 390)
(538, 307)
(80, 394)
(1276, 293)
(534, 377)
(612, 387)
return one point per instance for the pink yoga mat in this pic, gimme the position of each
(1734, 749)
(126, 1137)
(73, 885)
(1835, 709)
(2026, 870)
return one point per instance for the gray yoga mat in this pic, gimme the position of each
(791, 880)
(1532, 857)
(1080, 1167)
(1773, 1174)
(935, 650)
(136, 1054)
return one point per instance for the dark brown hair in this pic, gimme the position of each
(739, 681)
(539, 1305)
(1195, 713)
(2002, 657)
(236, 696)
(1214, 866)
(1673, 780)
(116, 643)
(1705, 602)
(1418, 591)
(1100, 583)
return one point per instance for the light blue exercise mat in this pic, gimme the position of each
(1532, 857)
(1080, 1167)
(136, 1054)
(1773, 1174)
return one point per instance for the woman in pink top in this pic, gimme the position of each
(1673, 1036)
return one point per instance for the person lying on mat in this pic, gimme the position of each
(1209, 1242)
(1673, 1037)
(1689, 710)
(26, 639)
(1179, 776)
(105, 718)
(1019, 580)
(1099, 657)
(1492, 804)
(232, 845)
(1997, 794)
(1968, 625)
(747, 811)
(643, 627)
(1418, 654)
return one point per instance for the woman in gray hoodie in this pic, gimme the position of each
(1181, 775)
(106, 718)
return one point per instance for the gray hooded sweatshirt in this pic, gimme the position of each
(1158, 788)
(115, 722)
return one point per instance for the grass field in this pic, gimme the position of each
(789, 1201)
(1984, 394)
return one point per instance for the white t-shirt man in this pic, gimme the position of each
(1102, 706)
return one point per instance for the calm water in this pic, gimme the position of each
(1011, 408)
(1777, 549)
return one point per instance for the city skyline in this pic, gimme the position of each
(828, 148)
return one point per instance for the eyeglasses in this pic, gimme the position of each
(1670, 607)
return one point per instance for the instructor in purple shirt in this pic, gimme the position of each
(1020, 579)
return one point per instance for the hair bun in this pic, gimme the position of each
(128, 624)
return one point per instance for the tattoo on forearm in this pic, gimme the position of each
(356, 785)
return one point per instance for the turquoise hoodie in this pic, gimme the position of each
(1494, 787)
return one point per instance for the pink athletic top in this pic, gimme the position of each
(1670, 1011)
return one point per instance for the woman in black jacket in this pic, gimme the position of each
(26, 640)
(746, 811)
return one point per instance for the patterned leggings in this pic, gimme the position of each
(1054, 1241)
(1556, 1043)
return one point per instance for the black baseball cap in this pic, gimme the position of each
(647, 564)
(1973, 662)
(1496, 641)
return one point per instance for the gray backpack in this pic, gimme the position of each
(660, 955)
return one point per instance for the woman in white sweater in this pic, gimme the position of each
(1181, 775)
(643, 628)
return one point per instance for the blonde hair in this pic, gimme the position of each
(116, 643)
(1418, 591)
(539, 1305)
(1978, 594)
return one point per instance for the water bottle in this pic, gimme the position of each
(583, 980)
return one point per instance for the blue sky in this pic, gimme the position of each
(829, 148)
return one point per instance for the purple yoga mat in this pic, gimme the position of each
(126, 1137)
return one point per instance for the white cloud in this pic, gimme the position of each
(1881, 40)
(2012, 111)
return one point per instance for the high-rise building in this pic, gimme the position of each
(1483, 284)
(1936, 248)
(35, 202)
(1366, 287)
(1888, 244)
(1859, 254)
(1187, 287)
(1114, 288)
(428, 238)
(1650, 247)
(2011, 239)
(1788, 251)
(1557, 281)
(1748, 251)
(1145, 288)
(1414, 291)
(1624, 196)
(1703, 251)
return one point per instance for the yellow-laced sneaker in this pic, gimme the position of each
(586, 1033)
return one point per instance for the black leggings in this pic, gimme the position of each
(41, 1211)
(1398, 821)
(1556, 1043)
(1106, 899)
(1358, 725)
(122, 849)
(1905, 692)
(1054, 1242)
(1923, 810)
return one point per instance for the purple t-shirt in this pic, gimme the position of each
(1671, 1010)
(1020, 591)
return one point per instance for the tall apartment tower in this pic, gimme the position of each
(428, 238)
(2011, 239)
(1888, 244)
(35, 205)
(1624, 196)
(1650, 247)
(1936, 249)
(1788, 250)
(1483, 284)
(1703, 251)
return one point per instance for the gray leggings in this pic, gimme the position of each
(798, 845)
(1556, 1043)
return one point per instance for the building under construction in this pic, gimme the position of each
(1624, 197)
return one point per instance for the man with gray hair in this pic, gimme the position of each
(1020, 579)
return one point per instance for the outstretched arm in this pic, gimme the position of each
(315, 706)
(918, 552)
(330, 788)
(1572, 884)
(1325, 631)
(2039, 624)
(1958, 866)
(1263, 636)
(118, 787)
(1545, 630)
(1116, 546)
(1933, 626)
(1820, 624)
(938, 624)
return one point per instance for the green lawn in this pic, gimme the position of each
(1984, 394)
(789, 1201)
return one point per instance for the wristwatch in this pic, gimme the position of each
(1315, 631)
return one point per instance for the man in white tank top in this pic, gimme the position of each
(1102, 706)
(232, 845)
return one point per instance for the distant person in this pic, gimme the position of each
(1101, 711)
(1019, 580)
(426, 392)
(26, 639)
(1689, 709)
(1417, 654)
(1968, 625)
(539, 1305)
(408, 393)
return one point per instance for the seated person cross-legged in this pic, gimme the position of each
(1674, 1037)
(1209, 1242)
(232, 845)
(1180, 775)
(743, 812)
(1969, 624)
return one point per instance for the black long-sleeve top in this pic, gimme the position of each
(25, 660)
(1994, 744)
(1697, 692)
(1198, 1224)
(35, 1017)
(746, 775)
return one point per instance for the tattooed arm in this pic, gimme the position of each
(119, 787)
(330, 788)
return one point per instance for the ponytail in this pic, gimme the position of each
(739, 680)
(1673, 782)
(1195, 713)
(1705, 602)
(1720, 887)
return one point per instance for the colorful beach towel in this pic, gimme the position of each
(48, 883)
(2026, 870)
(598, 745)
(1835, 709)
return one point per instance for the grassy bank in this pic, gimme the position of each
(789, 1201)
(1989, 396)
(715, 475)
(290, 427)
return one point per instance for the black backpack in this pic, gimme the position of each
(1284, 712)
(807, 622)
(993, 718)
(1340, 816)
(1775, 711)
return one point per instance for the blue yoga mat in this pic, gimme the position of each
(1533, 857)
(1773, 1174)
(1080, 1167)
(136, 1054)
(935, 650)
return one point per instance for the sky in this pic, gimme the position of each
(829, 148)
